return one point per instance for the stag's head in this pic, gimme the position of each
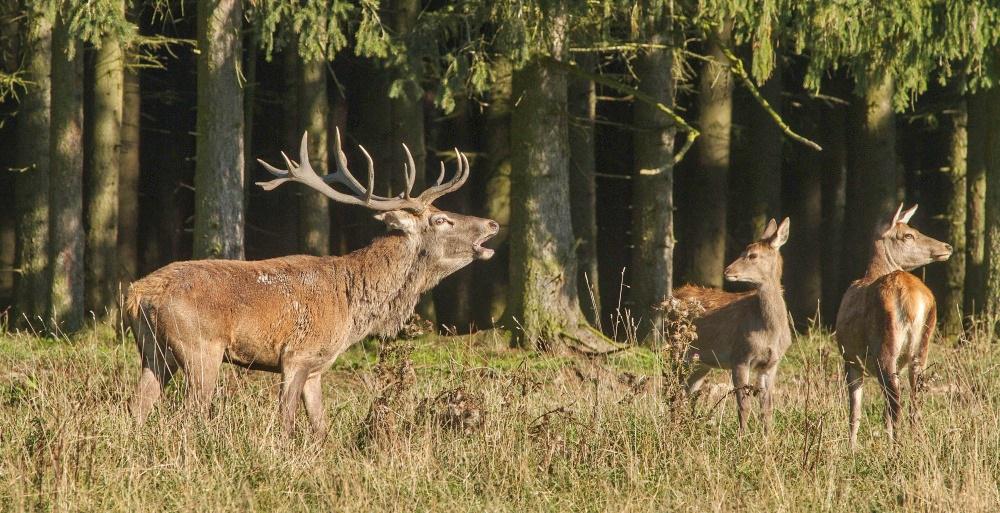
(761, 262)
(449, 241)
(907, 247)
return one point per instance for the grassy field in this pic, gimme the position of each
(458, 425)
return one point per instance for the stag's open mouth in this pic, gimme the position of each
(941, 257)
(481, 252)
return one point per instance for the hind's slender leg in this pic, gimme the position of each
(855, 390)
(765, 381)
(741, 382)
(888, 377)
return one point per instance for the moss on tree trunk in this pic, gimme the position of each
(128, 179)
(979, 123)
(653, 184)
(706, 231)
(31, 185)
(873, 176)
(66, 186)
(218, 227)
(314, 209)
(950, 303)
(102, 183)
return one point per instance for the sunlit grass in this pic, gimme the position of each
(557, 433)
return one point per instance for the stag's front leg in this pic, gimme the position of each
(292, 382)
(312, 395)
(741, 386)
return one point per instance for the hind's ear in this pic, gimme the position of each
(905, 216)
(781, 235)
(769, 230)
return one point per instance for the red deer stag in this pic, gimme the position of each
(744, 332)
(296, 314)
(886, 319)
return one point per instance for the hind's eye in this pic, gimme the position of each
(752, 256)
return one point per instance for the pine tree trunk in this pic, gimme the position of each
(979, 124)
(102, 184)
(218, 230)
(833, 166)
(543, 305)
(992, 219)
(66, 186)
(950, 303)
(497, 195)
(128, 179)
(314, 209)
(653, 186)
(706, 231)
(31, 185)
(872, 181)
(582, 104)
(763, 167)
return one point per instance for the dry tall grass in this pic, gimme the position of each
(454, 426)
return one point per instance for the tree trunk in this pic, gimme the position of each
(706, 232)
(582, 104)
(872, 181)
(496, 204)
(218, 229)
(543, 302)
(833, 166)
(314, 209)
(66, 186)
(31, 185)
(762, 169)
(950, 302)
(128, 179)
(979, 123)
(992, 223)
(653, 186)
(102, 184)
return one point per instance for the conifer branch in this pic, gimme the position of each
(692, 132)
(736, 65)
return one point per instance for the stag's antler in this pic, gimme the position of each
(305, 174)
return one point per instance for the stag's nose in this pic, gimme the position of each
(493, 225)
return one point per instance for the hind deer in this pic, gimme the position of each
(745, 332)
(295, 315)
(886, 318)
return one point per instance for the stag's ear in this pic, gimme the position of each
(398, 220)
(781, 235)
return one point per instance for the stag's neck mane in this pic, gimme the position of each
(385, 280)
(881, 263)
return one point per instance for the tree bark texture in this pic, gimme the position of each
(582, 103)
(102, 184)
(979, 123)
(128, 178)
(31, 185)
(950, 303)
(66, 186)
(218, 231)
(314, 209)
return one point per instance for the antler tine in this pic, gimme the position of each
(440, 189)
(371, 175)
(441, 175)
(411, 175)
(304, 174)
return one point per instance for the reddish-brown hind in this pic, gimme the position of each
(745, 332)
(886, 318)
(295, 315)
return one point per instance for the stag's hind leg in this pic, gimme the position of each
(293, 380)
(312, 395)
(158, 366)
(201, 371)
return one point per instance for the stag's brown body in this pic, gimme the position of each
(744, 332)
(887, 318)
(296, 314)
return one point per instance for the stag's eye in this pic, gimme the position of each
(908, 236)
(439, 220)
